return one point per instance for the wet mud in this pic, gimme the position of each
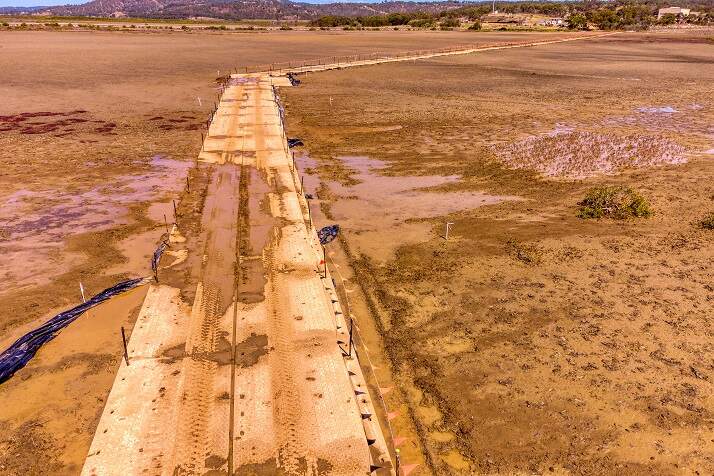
(380, 211)
(256, 225)
(251, 350)
(220, 237)
(37, 223)
(118, 95)
(532, 340)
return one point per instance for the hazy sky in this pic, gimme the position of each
(35, 3)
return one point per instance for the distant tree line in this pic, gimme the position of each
(602, 14)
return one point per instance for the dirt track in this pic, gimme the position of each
(261, 326)
(260, 384)
(104, 179)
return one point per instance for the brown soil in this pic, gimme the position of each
(83, 118)
(533, 341)
(53, 405)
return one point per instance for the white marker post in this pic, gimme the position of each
(81, 289)
(448, 228)
(199, 101)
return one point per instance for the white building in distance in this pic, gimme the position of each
(676, 11)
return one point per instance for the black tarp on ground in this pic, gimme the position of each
(23, 349)
(328, 233)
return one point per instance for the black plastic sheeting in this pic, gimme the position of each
(157, 257)
(19, 353)
(295, 142)
(328, 233)
(293, 80)
(23, 349)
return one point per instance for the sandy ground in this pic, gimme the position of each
(531, 341)
(98, 131)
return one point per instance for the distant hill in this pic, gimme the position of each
(20, 10)
(234, 10)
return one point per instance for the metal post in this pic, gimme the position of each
(448, 227)
(126, 353)
(351, 344)
(188, 185)
(175, 214)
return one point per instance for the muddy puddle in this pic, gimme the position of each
(36, 223)
(382, 212)
(256, 224)
(682, 118)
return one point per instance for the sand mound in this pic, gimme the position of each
(577, 154)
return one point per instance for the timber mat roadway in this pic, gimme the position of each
(255, 377)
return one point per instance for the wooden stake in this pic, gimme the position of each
(351, 340)
(123, 339)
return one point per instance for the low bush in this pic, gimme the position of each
(614, 201)
(421, 23)
(450, 23)
(476, 26)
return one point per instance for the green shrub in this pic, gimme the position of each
(421, 22)
(450, 23)
(476, 26)
(577, 22)
(707, 222)
(285, 27)
(614, 201)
